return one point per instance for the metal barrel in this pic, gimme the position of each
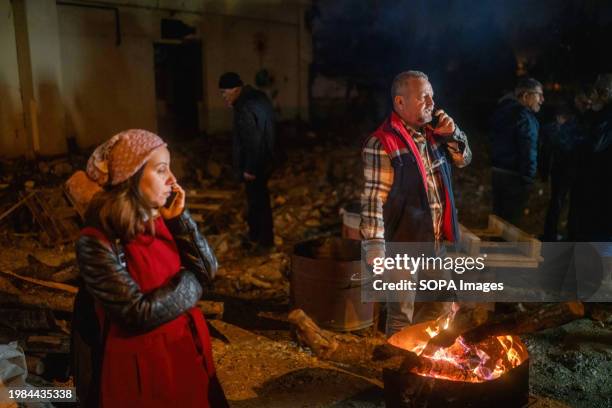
(325, 283)
(351, 218)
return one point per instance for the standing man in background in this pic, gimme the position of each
(253, 147)
(514, 148)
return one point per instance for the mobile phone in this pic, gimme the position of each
(435, 119)
(170, 199)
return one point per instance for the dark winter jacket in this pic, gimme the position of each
(254, 133)
(592, 191)
(562, 144)
(514, 139)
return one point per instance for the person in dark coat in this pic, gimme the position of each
(138, 339)
(514, 148)
(593, 221)
(564, 140)
(253, 147)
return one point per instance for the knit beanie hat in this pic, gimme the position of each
(230, 80)
(119, 158)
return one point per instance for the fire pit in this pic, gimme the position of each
(491, 373)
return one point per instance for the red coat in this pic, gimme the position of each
(170, 366)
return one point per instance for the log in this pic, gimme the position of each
(55, 303)
(27, 319)
(342, 348)
(322, 342)
(547, 316)
(465, 319)
(251, 280)
(405, 361)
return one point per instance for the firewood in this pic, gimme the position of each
(51, 343)
(56, 303)
(321, 341)
(464, 320)
(251, 280)
(27, 319)
(547, 316)
(339, 347)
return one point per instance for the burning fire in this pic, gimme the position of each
(479, 362)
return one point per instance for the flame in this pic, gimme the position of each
(479, 362)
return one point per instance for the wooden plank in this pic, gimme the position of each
(469, 242)
(17, 205)
(54, 285)
(48, 344)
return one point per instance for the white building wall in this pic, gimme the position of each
(88, 87)
(13, 137)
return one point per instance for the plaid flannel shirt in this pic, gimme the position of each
(378, 173)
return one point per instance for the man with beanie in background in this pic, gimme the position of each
(253, 147)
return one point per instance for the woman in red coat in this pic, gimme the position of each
(144, 263)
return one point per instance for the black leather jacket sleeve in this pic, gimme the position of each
(120, 296)
(196, 254)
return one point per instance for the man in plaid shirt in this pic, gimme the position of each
(408, 195)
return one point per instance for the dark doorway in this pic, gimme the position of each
(178, 88)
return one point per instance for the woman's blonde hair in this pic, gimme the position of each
(120, 211)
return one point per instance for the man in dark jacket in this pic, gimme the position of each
(514, 146)
(563, 142)
(253, 147)
(593, 221)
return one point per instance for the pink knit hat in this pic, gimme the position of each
(122, 156)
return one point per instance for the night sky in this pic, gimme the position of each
(477, 46)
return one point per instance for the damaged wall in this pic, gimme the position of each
(87, 86)
(272, 38)
(12, 132)
(108, 87)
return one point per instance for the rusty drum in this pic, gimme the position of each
(326, 284)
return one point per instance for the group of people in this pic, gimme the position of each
(408, 195)
(138, 338)
(574, 151)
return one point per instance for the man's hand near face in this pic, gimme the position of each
(446, 125)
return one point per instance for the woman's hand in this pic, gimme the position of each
(178, 203)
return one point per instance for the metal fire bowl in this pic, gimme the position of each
(409, 390)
